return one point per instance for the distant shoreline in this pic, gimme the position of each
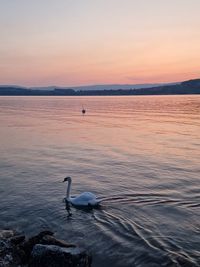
(184, 88)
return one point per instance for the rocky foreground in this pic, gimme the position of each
(42, 250)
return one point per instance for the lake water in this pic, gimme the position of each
(140, 154)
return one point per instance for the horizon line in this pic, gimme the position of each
(90, 85)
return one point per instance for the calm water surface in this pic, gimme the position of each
(140, 154)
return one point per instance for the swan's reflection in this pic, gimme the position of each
(67, 207)
(86, 209)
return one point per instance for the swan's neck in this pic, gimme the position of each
(68, 189)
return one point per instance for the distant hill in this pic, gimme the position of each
(100, 87)
(86, 87)
(185, 87)
(113, 87)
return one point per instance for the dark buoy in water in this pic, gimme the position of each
(83, 111)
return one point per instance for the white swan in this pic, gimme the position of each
(85, 199)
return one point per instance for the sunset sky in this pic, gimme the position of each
(79, 42)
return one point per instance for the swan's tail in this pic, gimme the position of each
(95, 202)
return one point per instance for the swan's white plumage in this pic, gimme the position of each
(84, 199)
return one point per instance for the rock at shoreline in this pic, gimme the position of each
(55, 256)
(41, 250)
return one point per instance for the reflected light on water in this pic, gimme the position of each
(140, 154)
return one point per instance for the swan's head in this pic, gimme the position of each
(67, 179)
